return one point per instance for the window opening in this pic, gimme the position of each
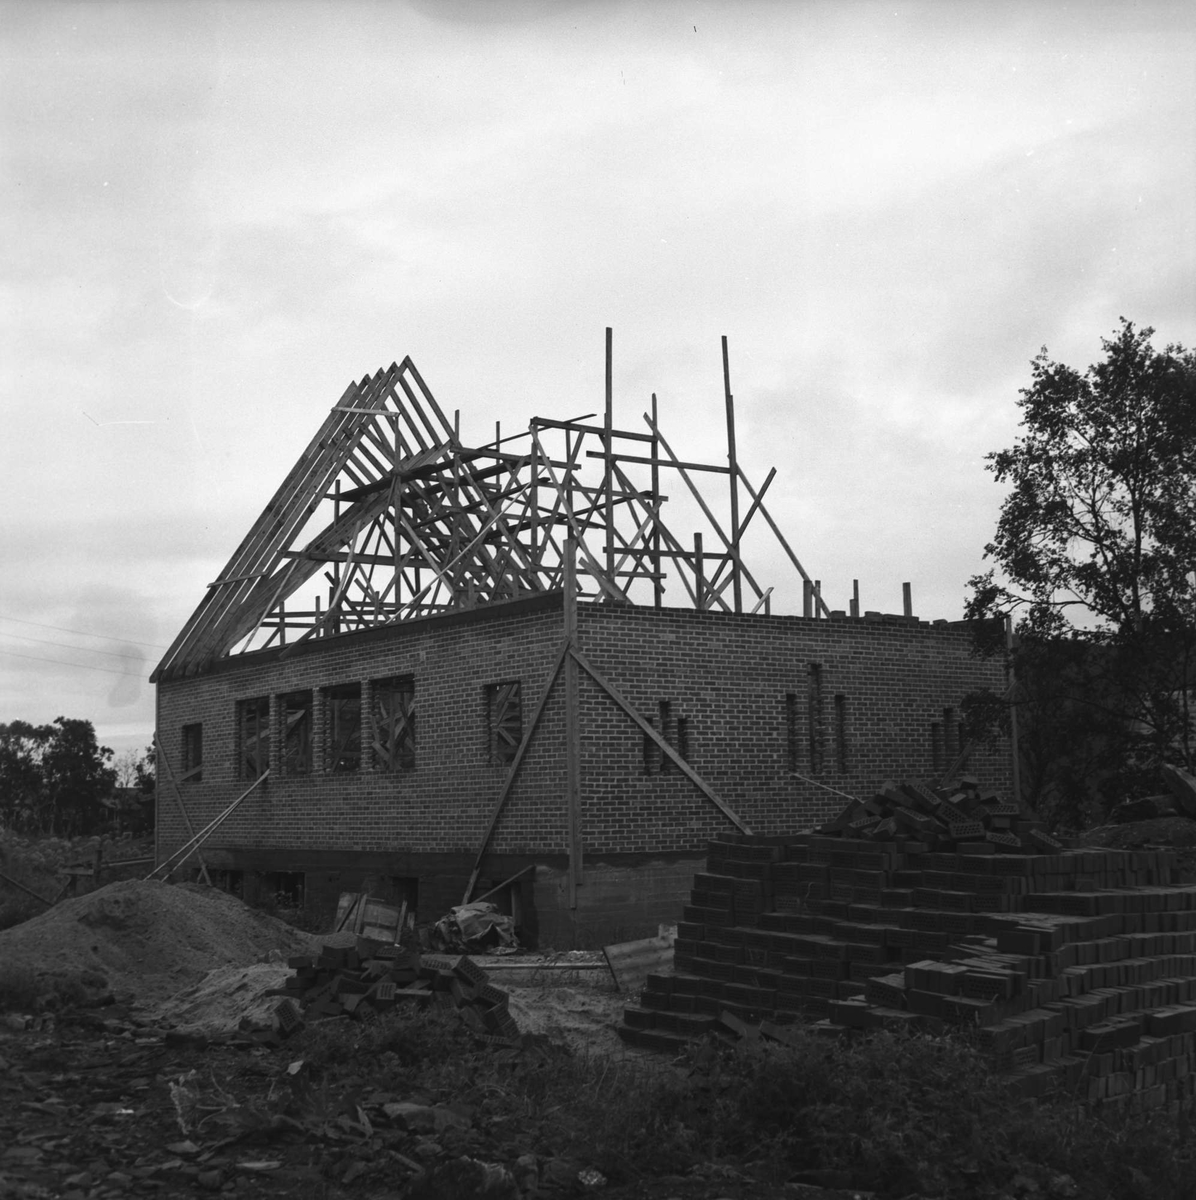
(394, 723)
(504, 715)
(296, 733)
(344, 727)
(815, 731)
(666, 732)
(791, 750)
(253, 720)
(192, 754)
(841, 733)
(284, 888)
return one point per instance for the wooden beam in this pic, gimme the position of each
(664, 746)
(509, 782)
(572, 725)
(732, 466)
(178, 799)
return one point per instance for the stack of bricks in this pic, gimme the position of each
(371, 977)
(1074, 969)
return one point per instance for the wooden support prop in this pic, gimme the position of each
(763, 602)
(907, 600)
(178, 799)
(665, 748)
(779, 536)
(699, 573)
(572, 724)
(733, 466)
(498, 887)
(193, 844)
(28, 891)
(855, 597)
(508, 783)
(657, 579)
(1014, 749)
(609, 477)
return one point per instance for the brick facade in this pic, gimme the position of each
(758, 705)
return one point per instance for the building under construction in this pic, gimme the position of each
(432, 668)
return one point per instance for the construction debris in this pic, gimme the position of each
(371, 977)
(961, 818)
(1073, 968)
(477, 928)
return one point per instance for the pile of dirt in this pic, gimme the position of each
(147, 940)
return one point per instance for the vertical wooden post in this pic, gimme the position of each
(699, 574)
(657, 581)
(1013, 742)
(817, 598)
(607, 448)
(907, 600)
(855, 597)
(807, 597)
(733, 463)
(572, 723)
(535, 514)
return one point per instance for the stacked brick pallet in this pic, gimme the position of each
(372, 977)
(1074, 969)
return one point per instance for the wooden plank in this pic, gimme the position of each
(615, 456)
(650, 732)
(732, 467)
(632, 962)
(572, 725)
(509, 782)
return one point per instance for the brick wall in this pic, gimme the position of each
(760, 702)
(747, 688)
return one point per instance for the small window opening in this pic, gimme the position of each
(504, 720)
(232, 882)
(344, 727)
(394, 723)
(286, 889)
(791, 738)
(815, 731)
(192, 754)
(841, 756)
(666, 732)
(296, 732)
(253, 735)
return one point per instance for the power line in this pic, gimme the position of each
(80, 633)
(58, 662)
(82, 649)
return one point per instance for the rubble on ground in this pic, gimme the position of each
(370, 977)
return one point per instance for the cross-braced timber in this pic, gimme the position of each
(389, 517)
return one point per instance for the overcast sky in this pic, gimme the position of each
(217, 215)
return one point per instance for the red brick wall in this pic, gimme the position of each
(726, 676)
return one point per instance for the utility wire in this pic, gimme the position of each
(82, 649)
(79, 632)
(58, 662)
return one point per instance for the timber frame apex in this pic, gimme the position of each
(388, 516)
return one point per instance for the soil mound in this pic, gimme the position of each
(148, 940)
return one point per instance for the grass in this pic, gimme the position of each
(895, 1114)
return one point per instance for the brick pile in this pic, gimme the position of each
(1073, 968)
(370, 977)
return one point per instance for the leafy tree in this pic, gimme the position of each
(1096, 545)
(21, 792)
(53, 777)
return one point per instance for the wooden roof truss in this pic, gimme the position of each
(387, 516)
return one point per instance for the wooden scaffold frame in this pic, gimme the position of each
(388, 516)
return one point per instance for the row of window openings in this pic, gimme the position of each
(811, 735)
(391, 735)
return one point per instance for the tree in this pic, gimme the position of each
(53, 777)
(1096, 545)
